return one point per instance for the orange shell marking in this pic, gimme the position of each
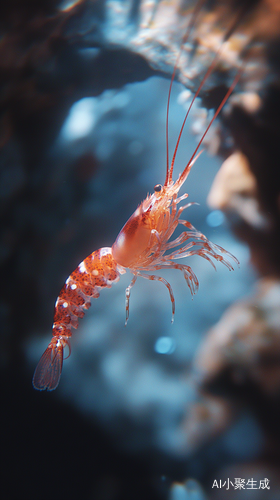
(98, 270)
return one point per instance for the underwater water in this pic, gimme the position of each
(137, 380)
(154, 410)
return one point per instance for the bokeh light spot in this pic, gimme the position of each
(215, 218)
(165, 345)
(80, 120)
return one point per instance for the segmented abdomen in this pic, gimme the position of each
(98, 270)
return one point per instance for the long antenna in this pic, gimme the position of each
(206, 76)
(183, 176)
(186, 36)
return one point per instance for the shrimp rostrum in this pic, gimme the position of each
(144, 245)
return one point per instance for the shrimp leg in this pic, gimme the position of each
(154, 277)
(189, 275)
(127, 297)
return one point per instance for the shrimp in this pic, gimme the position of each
(143, 246)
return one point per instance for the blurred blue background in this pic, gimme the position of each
(133, 416)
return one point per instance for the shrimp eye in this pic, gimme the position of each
(158, 188)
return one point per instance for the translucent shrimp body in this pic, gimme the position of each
(142, 246)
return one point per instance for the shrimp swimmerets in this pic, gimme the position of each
(141, 247)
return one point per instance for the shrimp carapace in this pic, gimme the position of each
(142, 247)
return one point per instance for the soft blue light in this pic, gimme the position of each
(80, 120)
(165, 345)
(215, 218)
(68, 4)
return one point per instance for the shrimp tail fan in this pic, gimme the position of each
(48, 371)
